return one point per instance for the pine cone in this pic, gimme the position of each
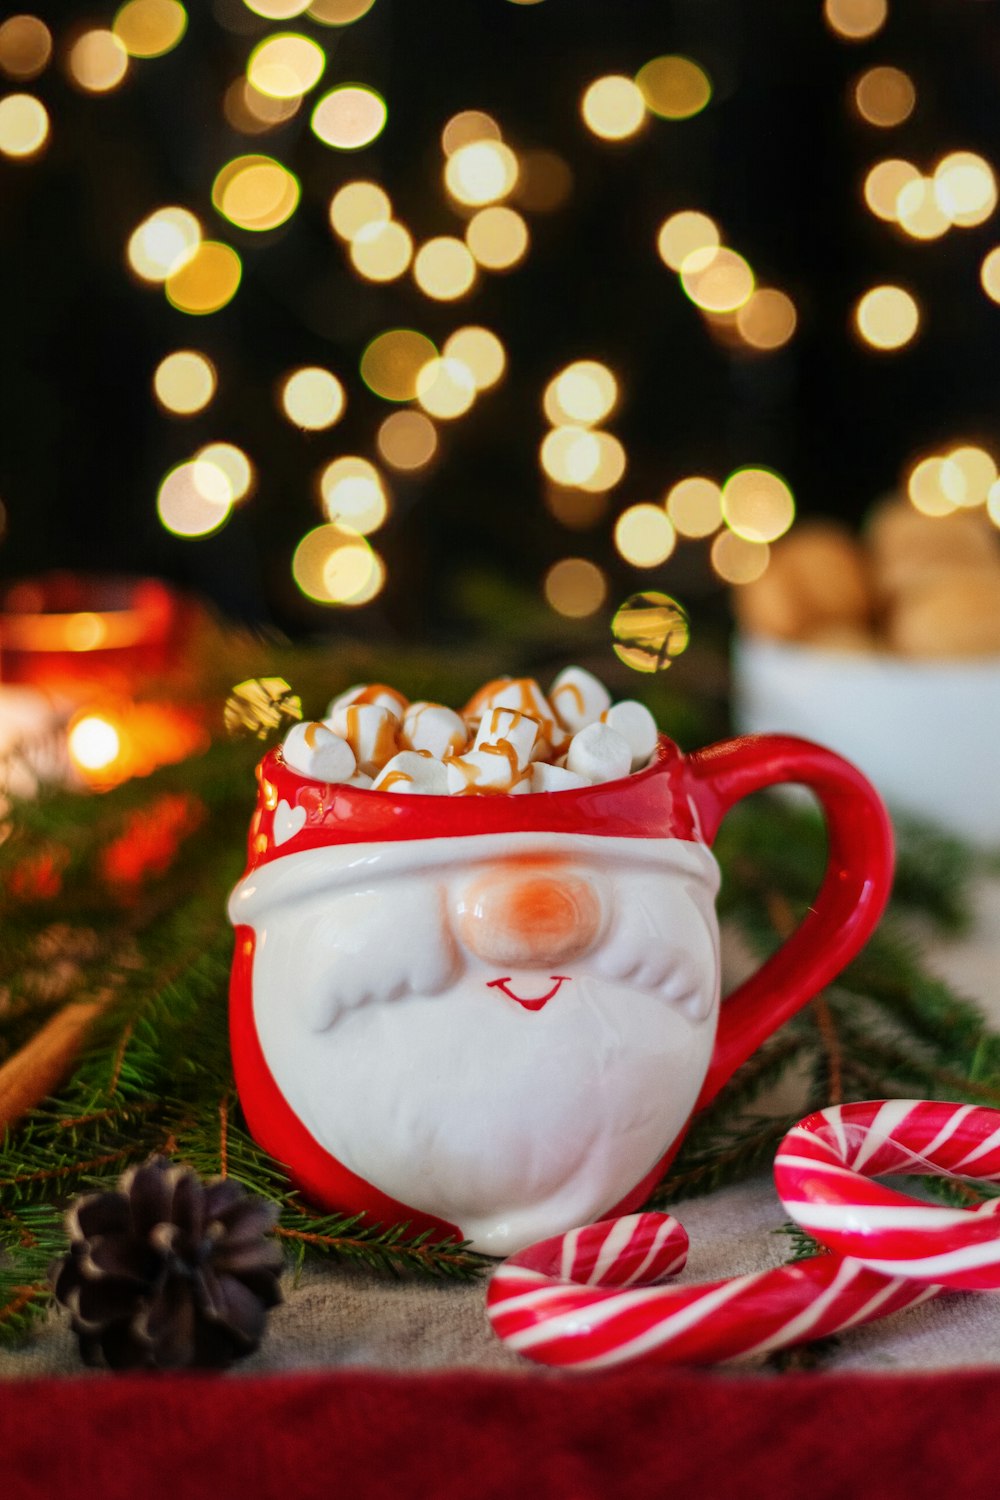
(169, 1272)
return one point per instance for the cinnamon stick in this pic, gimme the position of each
(38, 1068)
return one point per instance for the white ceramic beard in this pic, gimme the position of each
(384, 1036)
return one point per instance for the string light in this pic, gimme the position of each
(497, 237)
(232, 463)
(251, 112)
(446, 388)
(855, 20)
(575, 587)
(936, 486)
(25, 47)
(767, 320)
(644, 536)
(544, 182)
(356, 205)
(444, 268)
(195, 499)
(717, 280)
(611, 464)
(481, 351)
(277, 10)
(965, 188)
(207, 281)
(683, 234)
(989, 274)
(757, 505)
(286, 66)
(349, 117)
(737, 560)
(884, 183)
(675, 88)
(584, 393)
(353, 494)
(694, 506)
(407, 440)
(24, 125)
(887, 317)
(978, 471)
(150, 28)
(93, 742)
(482, 172)
(184, 382)
(97, 62)
(577, 509)
(570, 455)
(993, 505)
(918, 211)
(393, 360)
(255, 192)
(313, 398)
(163, 243)
(613, 107)
(467, 126)
(333, 564)
(339, 12)
(884, 96)
(381, 251)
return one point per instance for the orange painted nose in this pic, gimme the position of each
(532, 918)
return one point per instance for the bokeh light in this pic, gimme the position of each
(24, 125)
(393, 360)
(768, 320)
(497, 237)
(918, 212)
(993, 505)
(570, 455)
(649, 631)
(684, 233)
(255, 192)
(757, 505)
(884, 183)
(613, 107)
(446, 387)
(694, 505)
(381, 250)
(675, 88)
(737, 560)
(253, 113)
(716, 279)
(25, 46)
(611, 463)
(544, 182)
(575, 587)
(577, 509)
(93, 742)
(978, 470)
(407, 440)
(277, 10)
(354, 494)
(97, 61)
(583, 393)
(467, 126)
(965, 188)
(339, 12)
(313, 398)
(884, 96)
(184, 382)
(207, 281)
(989, 274)
(232, 463)
(163, 243)
(482, 172)
(444, 268)
(357, 204)
(481, 351)
(149, 28)
(349, 117)
(936, 486)
(887, 317)
(855, 20)
(644, 535)
(335, 565)
(286, 66)
(195, 499)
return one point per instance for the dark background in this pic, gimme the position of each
(778, 158)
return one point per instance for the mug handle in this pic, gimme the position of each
(851, 898)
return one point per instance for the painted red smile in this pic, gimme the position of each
(532, 1002)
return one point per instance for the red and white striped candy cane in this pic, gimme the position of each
(584, 1300)
(822, 1173)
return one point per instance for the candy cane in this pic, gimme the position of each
(822, 1173)
(584, 1300)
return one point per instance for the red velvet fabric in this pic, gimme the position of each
(635, 1434)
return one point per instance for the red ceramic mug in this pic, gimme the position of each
(495, 1016)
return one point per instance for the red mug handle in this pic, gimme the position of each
(851, 898)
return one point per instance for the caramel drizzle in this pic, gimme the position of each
(383, 746)
(311, 732)
(393, 777)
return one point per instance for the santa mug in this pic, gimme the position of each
(494, 1016)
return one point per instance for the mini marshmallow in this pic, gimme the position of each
(359, 779)
(599, 753)
(549, 778)
(370, 730)
(578, 699)
(435, 728)
(508, 724)
(413, 771)
(636, 724)
(314, 750)
(493, 769)
(525, 696)
(379, 693)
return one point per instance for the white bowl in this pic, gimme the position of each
(927, 733)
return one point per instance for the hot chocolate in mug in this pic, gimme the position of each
(495, 1016)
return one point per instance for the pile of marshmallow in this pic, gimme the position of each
(510, 738)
